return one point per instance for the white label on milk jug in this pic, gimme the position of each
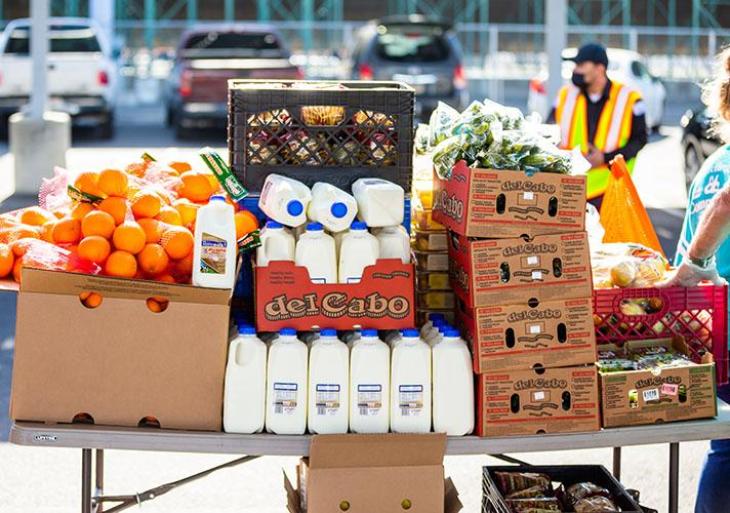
(369, 399)
(327, 399)
(410, 400)
(285, 398)
(212, 254)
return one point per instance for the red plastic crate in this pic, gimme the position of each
(699, 314)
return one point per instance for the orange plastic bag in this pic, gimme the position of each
(623, 215)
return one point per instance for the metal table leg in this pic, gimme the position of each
(99, 472)
(85, 480)
(674, 477)
(617, 463)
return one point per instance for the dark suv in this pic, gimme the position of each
(422, 52)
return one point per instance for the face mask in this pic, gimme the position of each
(579, 80)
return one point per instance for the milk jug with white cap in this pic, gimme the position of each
(285, 200)
(315, 250)
(277, 244)
(244, 396)
(453, 386)
(286, 387)
(379, 202)
(332, 207)
(329, 382)
(359, 250)
(370, 384)
(394, 242)
(410, 385)
(216, 249)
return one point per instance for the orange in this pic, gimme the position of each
(157, 304)
(99, 223)
(187, 209)
(80, 210)
(67, 231)
(92, 299)
(214, 183)
(180, 166)
(113, 182)
(94, 248)
(117, 207)
(152, 228)
(35, 216)
(17, 269)
(129, 236)
(138, 169)
(169, 215)
(184, 266)
(177, 241)
(246, 222)
(21, 246)
(22, 231)
(122, 264)
(88, 182)
(61, 213)
(83, 296)
(153, 259)
(196, 186)
(7, 259)
(165, 277)
(47, 231)
(146, 204)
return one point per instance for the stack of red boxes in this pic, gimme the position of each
(520, 268)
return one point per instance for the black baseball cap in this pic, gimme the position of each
(591, 52)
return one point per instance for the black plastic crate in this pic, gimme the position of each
(362, 130)
(493, 501)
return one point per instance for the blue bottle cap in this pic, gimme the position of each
(435, 315)
(246, 329)
(218, 197)
(274, 225)
(452, 333)
(410, 333)
(369, 333)
(339, 210)
(443, 328)
(315, 227)
(439, 322)
(328, 332)
(358, 225)
(294, 207)
(287, 332)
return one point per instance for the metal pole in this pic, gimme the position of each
(228, 10)
(712, 43)
(39, 54)
(307, 17)
(556, 21)
(674, 477)
(85, 480)
(99, 481)
(617, 463)
(149, 23)
(263, 12)
(192, 11)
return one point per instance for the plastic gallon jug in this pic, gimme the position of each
(286, 387)
(338, 236)
(329, 380)
(426, 328)
(277, 243)
(244, 397)
(453, 386)
(285, 200)
(370, 384)
(215, 250)
(394, 242)
(410, 385)
(379, 202)
(359, 250)
(316, 251)
(437, 335)
(332, 207)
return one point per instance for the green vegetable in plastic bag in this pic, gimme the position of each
(423, 132)
(440, 123)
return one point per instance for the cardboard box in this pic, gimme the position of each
(119, 363)
(550, 334)
(365, 473)
(512, 271)
(631, 398)
(384, 299)
(529, 402)
(497, 204)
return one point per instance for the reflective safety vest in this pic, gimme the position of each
(613, 130)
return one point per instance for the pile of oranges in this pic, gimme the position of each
(132, 223)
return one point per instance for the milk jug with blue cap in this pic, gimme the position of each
(286, 385)
(244, 396)
(215, 247)
(359, 250)
(453, 386)
(410, 385)
(277, 244)
(370, 384)
(285, 200)
(315, 250)
(332, 207)
(329, 384)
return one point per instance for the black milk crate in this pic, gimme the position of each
(361, 130)
(493, 501)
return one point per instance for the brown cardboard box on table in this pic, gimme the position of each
(530, 402)
(511, 271)
(635, 397)
(387, 473)
(498, 204)
(532, 334)
(119, 363)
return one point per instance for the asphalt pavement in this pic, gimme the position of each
(46, 480)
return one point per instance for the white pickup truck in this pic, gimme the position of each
(81, 73)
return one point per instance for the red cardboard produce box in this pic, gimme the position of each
(512, 271)
(550, 334)
(490, 203)
(384, 299)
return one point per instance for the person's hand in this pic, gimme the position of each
(595, 156)
(690, 275)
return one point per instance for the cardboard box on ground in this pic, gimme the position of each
(120, 363)
(365, 473)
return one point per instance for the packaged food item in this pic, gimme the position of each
(535, 505)
(315, 250)
(216, 250)
(627, 266)
(329, 383)
(453, 386)
(427, 281)
(432, 261)
(431, 240)
(370, 384)
(359, 249)
(436, 299)
(527, 493)
(244, 396)
(277, 244)
(439, 124)
(510, 482)
(332, 207)
(615, 364)
(285, 200)
(410, 402)
(380, 202)
(595, 504)
(579, 491)
(423, 219)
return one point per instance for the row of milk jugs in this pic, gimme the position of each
(416, 383)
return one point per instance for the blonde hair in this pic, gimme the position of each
(716, 95)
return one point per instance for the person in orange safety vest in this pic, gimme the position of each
(602, 117)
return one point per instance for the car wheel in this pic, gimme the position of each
(692, 163)
(106, 129)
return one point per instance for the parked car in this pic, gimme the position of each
(699, 140)
(624, 66)
(81, 72)
(207, 57)
(420, 51)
